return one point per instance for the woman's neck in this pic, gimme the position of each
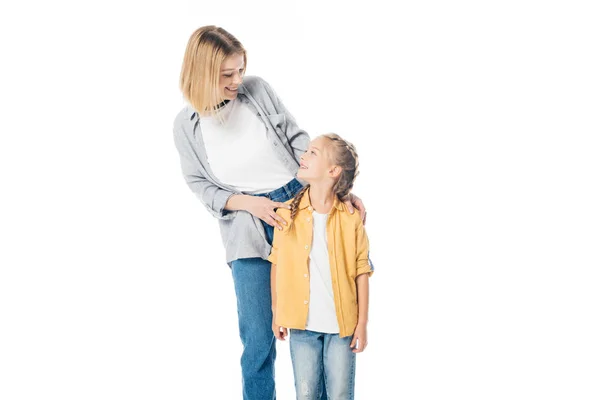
(216, 108)
(321, 197)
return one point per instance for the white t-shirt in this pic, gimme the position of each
(321, 307)
(239, 151)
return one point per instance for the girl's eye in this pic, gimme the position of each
(313, 152)
(228, 76)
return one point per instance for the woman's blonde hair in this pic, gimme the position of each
(344, 155)
(206, 50)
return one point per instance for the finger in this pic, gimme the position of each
(360, 345)
(275, 223)
(353, 341)
(285, 333)
(364, 217)
(359, 205)
(348, 204)
(279, 219)
(271, 221)
(281, 205)
(358, 348)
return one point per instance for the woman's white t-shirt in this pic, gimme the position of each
(239, 151)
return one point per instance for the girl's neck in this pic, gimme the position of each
(321, 197)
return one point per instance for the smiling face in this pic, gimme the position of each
(315, 164)
(231, 75)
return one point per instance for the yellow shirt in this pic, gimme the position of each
(348, 247)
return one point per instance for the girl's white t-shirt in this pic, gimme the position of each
(321, 306)
(239, 151)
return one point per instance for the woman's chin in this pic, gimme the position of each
(229, 95)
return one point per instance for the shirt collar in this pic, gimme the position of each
(305, 202)
(191, 113)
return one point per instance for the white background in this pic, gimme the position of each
(477, 127)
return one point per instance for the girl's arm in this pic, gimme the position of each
(364, 269)
(359, 341)
(362, 287)
(273, 289)
(279, 331)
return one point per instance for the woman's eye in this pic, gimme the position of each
(228, 76)
(312, 152)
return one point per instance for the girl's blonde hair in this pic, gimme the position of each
(206, 50)
(342, 154)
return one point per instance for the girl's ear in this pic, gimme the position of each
(335, 171)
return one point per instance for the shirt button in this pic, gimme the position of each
(306, 247)
(307, 219)
(309, 208)
(306, 275)
(305, 301)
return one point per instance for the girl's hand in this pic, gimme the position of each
(279, 331)
(263, 208)
(359, 340)
(351, 201)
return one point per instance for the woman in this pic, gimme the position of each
(240, 150)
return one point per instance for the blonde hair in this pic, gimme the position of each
(343, 154)
(206, 50)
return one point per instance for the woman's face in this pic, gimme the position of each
(232, 72)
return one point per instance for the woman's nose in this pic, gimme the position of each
(237, 78)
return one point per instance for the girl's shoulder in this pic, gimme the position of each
(348, 219)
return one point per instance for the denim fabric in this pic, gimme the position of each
(280, 195)
(319, 357)
(252, 282)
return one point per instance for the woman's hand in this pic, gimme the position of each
(263, 208)
(351, 201)
(359, 340)
(279, 331)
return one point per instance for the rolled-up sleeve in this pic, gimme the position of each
(213, 197)
(363, 262)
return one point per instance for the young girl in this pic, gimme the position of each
(319, 274)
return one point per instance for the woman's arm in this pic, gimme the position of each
(212, 197)
(219, 202)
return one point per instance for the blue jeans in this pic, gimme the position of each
(252, 281)
(319, 357)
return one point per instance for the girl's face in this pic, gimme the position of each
(232, 72)
(315, 164)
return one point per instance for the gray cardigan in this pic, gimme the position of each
(242, 233)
